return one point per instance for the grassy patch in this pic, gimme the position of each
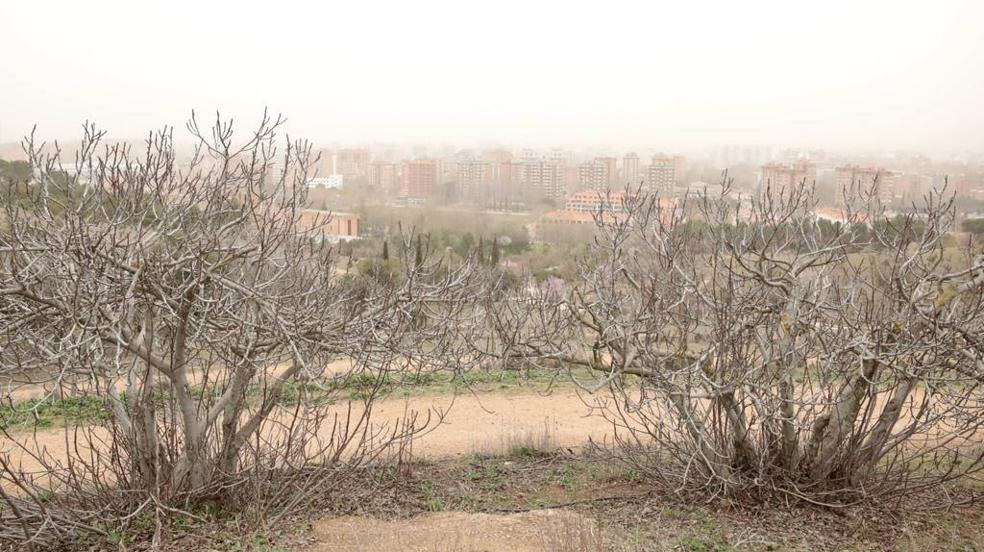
(528, 452)
(90, 408)
(48, 412)
(568, 476)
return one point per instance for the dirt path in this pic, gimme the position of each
(493, 423)
(542, 530)
(489, 423)
(485, 423)
(496, 423)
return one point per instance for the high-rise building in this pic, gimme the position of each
(781, 176)
(571, 177)
(661, 174)
(679, 169)
(501, 169)
(560, 156)
(353, 164)
(326, 163)
(611, 167)
(419, 177)
(382, 177)
(858, 181)
(498, 155)
(911, 187)
(543, 177)
(593, 176)
(503, 182)
(630, 169)
(966, 184)
(505, 173)
(729, 156)
(473, 176)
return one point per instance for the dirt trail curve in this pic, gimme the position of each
(487, 423)
(491, 423)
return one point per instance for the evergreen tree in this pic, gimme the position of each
(386, 250)
(495, 252)
(481, 249)
(465, 244)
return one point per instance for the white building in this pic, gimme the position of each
(330, 182)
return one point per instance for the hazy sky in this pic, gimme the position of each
(851, 74)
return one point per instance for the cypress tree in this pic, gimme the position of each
(386, 250)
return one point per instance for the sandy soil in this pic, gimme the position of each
(542, 530)
(496, 423)
(490, 423)
(485, 423)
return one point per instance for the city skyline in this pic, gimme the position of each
(870, 75)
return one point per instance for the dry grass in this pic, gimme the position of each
(525, 442)
(557, 501)
(625, 514)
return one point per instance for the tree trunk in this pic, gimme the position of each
(790, 436)
(873, 448)
(834, 427)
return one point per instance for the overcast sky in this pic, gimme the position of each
(835, 74)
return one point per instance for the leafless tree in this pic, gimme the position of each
(753, 348)
(205, 305)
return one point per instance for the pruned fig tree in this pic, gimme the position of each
(755, 347)
(195, 295)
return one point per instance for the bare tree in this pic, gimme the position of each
(201, 300)
(754, 348)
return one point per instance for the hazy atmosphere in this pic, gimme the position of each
(515, 276)
(843, 74)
